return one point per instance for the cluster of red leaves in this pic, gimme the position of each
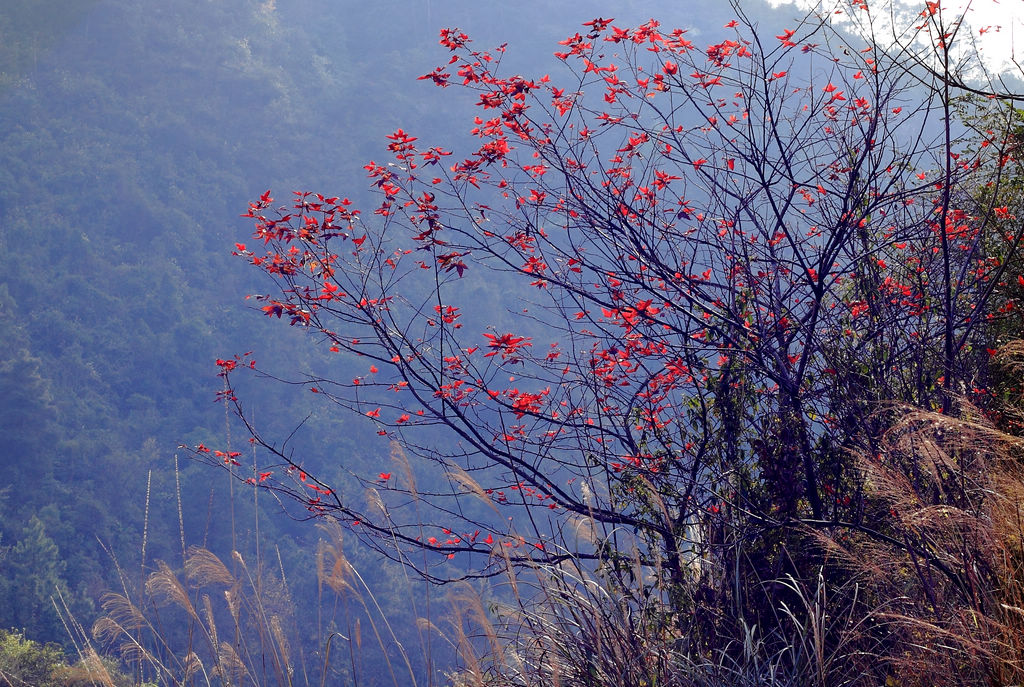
(708, 229)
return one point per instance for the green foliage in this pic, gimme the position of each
(24, 663)
(25, 39)
(28, 415)
(31, 576)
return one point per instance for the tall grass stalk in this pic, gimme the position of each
(926, 590)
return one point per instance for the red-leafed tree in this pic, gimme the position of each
(722, 259)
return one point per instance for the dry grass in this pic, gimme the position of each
(238, 624)
(951, 490)
(925, 589)
(928, 591)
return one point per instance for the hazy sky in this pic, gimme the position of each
(993, 29)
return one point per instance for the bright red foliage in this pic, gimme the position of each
(727, 259)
